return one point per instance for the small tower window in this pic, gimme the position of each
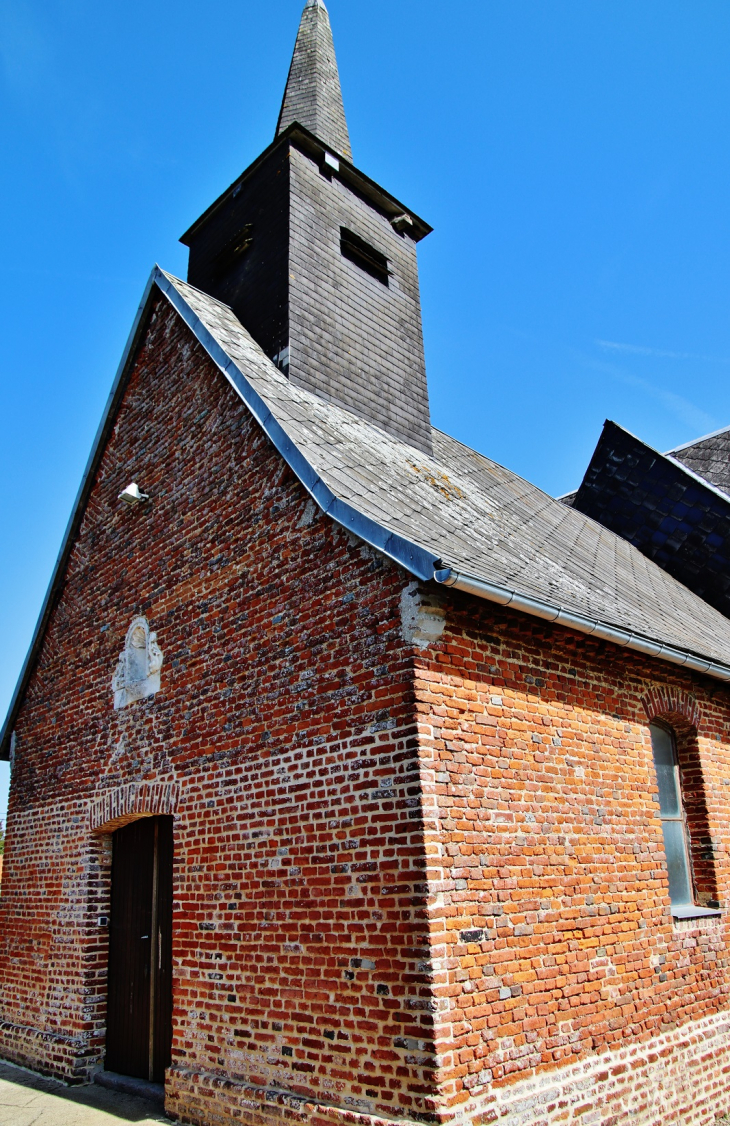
(674, 823)
(365, 256)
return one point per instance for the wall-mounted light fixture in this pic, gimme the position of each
(132, 495)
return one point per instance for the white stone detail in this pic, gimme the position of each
(310, 511)
(423, 617)
(137, 674)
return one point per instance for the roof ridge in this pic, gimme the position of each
(505, 468)
(676, 461)
(697, 441)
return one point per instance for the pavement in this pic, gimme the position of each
(27, 1099)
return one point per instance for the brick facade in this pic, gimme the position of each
(283, 738)
(419, 868)
(552, 937)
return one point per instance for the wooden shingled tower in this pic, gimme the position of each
(317, 261)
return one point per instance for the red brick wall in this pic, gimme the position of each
(285, 720)
(325, 943)
(552, 936)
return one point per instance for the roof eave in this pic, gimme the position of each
(297, 134)
(537, 608)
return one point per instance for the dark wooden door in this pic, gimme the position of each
(139, 1005)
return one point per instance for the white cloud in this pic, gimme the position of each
(677, 405)
(641, 350)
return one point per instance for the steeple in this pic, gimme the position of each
(313, 95)
(318, 261)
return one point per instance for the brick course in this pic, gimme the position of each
(419, 867)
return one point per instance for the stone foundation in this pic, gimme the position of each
(49, 1053)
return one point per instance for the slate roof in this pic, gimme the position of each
(664, 508)
(313, 95)
(708, 457)
(456, 510)
(467, 512)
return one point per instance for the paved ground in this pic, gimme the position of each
(27, 1099)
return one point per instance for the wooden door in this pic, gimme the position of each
(139, 1005)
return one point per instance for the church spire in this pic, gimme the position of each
(313, 96)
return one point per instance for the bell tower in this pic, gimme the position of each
(317, 261)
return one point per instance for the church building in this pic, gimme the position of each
(355, 780)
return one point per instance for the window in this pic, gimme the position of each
(233, 249)
(674, 825)
(365, 256)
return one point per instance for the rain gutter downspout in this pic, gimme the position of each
(503, 596)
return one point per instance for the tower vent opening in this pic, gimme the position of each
(365, 256)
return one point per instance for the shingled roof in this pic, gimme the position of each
(663, 506)
(313, 95)
(457, 516)
(708, 457)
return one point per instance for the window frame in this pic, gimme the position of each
(366, 257)
(691, 908)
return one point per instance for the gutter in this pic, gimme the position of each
(503, 596)
(411, 556)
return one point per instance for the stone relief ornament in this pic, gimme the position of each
(137, 674)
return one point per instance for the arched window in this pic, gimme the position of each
(683, 811)
(674, 824)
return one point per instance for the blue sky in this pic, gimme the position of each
(572, 156)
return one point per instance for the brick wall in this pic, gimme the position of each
(552, 939)
(419, 868)
(284, 736)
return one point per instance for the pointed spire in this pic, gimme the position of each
(313, 96)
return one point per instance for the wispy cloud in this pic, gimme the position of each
(677, 405)
(661, 353)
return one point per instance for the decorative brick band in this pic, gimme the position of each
(209, 1099)
(117, 807)
(671, 701)
(680, 1076)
